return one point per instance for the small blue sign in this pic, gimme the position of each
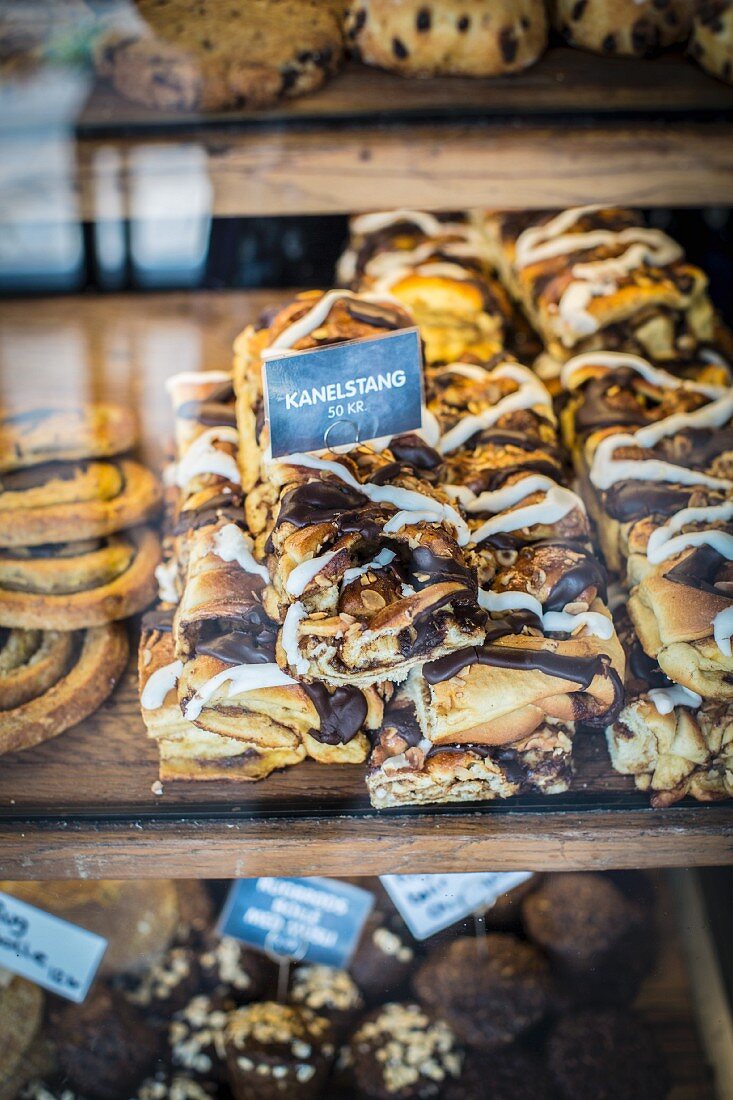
(344, 393)
(316, 919)
(49, 951)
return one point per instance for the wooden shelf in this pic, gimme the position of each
(576, 128)
(81, 805)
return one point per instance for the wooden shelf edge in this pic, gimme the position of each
(370, 846)
(326, 170)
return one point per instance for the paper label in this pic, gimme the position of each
(314, 919)
(59, 956)
(429, 903)
(344, 393)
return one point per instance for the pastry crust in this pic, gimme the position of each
(180, 56)
(63, 433)
(636, 28)
(79, 584)
(449, 37)
(711, 42)
(597, 278)
(74, 501)
(84, 681)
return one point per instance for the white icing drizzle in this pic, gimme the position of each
(312, 319)
(243, 678)
(506, 497)
(289, 638)
(547, 367)
(195, 378)
(385, 263)
(559, 621)
(166, 575)
(402, 499)
(402, 519)
(159, 684)
(467, 370)
(613, 360)
(666, 699)
(557, 503)
(605, 470)
(383, 219)
(662, 543)
(531, 392)
(300, 577)
(346, 267)
(430, 430)
(202, 457)
(436, 270)
(530, 241)
(232, 544)
(384, 557)
(723, 629)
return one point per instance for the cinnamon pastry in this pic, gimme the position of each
(436, 269)
(50, 681)
(64, 501)
(596, 277)
(407, 769)
(78, 584)
(58, 433)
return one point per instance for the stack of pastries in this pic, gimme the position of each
(640, 358)
(77, 555)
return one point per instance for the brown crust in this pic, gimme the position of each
(129, 592)
(31, 662)
(58, 433)
(90, 680)
(49, 522)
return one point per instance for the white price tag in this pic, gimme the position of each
(59, 956)
(429, 903)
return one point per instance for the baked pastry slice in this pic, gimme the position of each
(70, 501)
(63, 433)
(597, 277)
(78, 584)
(447, 37)
(631, 27)
(50, 681)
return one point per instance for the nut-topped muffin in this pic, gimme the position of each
(274, 1050)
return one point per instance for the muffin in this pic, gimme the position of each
(382, 961)
(605, 1054)
(196, 1038)
(509, 1073)
(596, 938)
(167, 986)
(490, 990)
(104, 1046)
(275, 1050)
(400, 1052)
(175, 1086)
(229, 968)
(329, 992)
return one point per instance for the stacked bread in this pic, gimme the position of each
(76, 556)
(651, 446)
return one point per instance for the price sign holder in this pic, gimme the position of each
(49, 951)
(342, 394)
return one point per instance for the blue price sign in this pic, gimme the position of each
(344, 393)
(316, 919)
(49, 951)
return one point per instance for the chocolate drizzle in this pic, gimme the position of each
(399, 715)
(159, 619)
(426, 568)
(226, 506)
(18, 481)
(374, 313)
(341, 714)
(240, 647)
(627, 501)
(580, 670)
(318, 502)
(588, 573)
(698, 570)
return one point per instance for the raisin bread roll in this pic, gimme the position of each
(632, 27)
(447, 37)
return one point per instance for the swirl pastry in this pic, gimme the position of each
(672, 748)
(438, 270)
(549, 658)
(596, 277)
(69, 501)
(58, 433)
(50, 681)
(78, 584)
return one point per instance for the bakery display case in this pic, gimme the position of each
(365, 536)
